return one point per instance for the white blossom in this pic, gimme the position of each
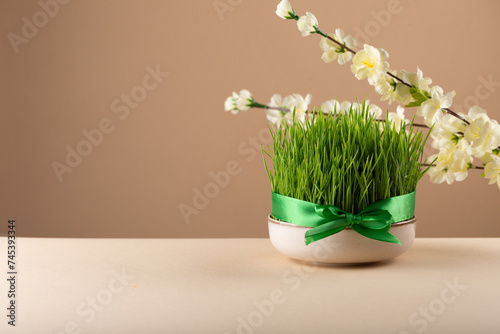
(238, 102)
(440, 176)
(370, 63)
(488, 157)
(432, 109)
(492, 170)
(415, 79)
(299, 105)
(331, 106)
(307, 24)
(386, 86)
(229, 104)
(285, 10)
(452, 163)
(345, 106)
(461, 162)
(278, 102)
(341, 107)
(449, 129)
(483, 133)
(273, 115)
(398, 118)
(332, 50)
(375, 110)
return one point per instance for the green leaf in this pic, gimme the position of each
(381, 235)
(420, 96)
(414, 104)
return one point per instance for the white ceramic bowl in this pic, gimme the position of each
(347, 246)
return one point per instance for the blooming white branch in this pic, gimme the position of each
(285, 10)
(458, 138)
(238, 102)
(307, 24)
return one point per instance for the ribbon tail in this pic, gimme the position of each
(381, 235)
(374, 224)
(322, 231)
(376, 220)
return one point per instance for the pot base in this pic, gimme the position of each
(345, 247)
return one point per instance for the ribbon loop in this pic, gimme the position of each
(374, 221)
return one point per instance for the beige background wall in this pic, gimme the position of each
(69, 76)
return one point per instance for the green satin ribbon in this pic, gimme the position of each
(374, 221)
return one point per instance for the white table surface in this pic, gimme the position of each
(245, 286)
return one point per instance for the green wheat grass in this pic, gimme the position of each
(348, 160)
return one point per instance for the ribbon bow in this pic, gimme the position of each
(374, 224)
(374, 221)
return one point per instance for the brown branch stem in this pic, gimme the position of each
(451, 112)
(398, 79)
(354, 52)
(434, 165)
(448, 110)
